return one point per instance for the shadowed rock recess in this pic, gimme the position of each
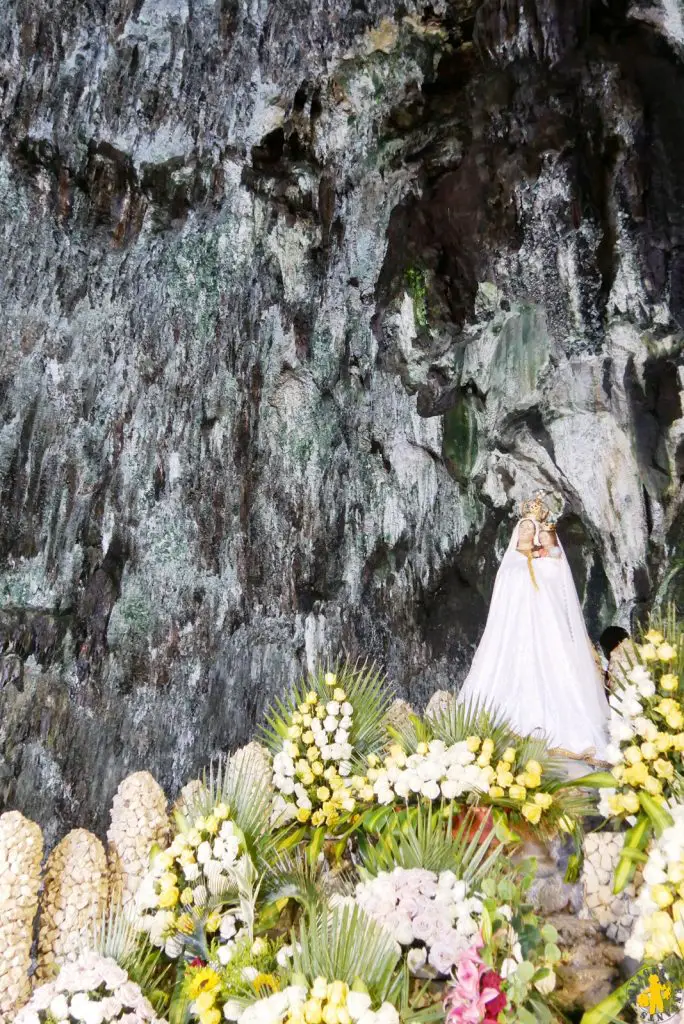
(298, 301)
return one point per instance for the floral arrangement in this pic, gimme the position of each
(93, 990)
(430, 914)
(320, 738)
(507, 973)
(659, 928)
(199, 864)
(250, 966)
(323, 1002)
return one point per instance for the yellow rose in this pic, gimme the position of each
(373, 760)
(630, 802)
(319, 989)
(654, 637)
(308, 778)
(343, 1015)
(675, 719)
(517, 792)
(532, 812)
(186, 896)
(212, 824)
(473, 744)
(303, 814)
(312, 1011)
(504, 779)
(337, 993)
(615, 803)
(212, 1016)
(422, 748)
(675, 872)
(213, 922)
(367, 794)
(533, 767)
(321, 712)
(292, 749)
(294, 732)
(666, 652)
(618, 771)
(668, 682)
(648, 751)
(543, 800)
(636, 774)
(311, 697)
(317, 818)
(222, 811)
(632, 754)
(652, 786)
(647, 652)
(496, 792)
(661, 895)
(317, 767)
(164, 860)
(531, 780)
(313, 753)
(339, 695)
(168, 898)
(308, 738)
(323, 793)
(330, 679)
(330, 1014)
(306, 721)
(484, 758)
(297, 715)
(664, 741)
(509, 755)
(663, 769)
(678, 910)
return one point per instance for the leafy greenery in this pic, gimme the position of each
(417, 288)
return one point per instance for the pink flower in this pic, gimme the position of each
(476, 992)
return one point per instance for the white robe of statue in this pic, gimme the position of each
(534, 662)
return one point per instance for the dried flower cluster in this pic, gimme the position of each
(75, 896)
(21, 853)
(139, 820)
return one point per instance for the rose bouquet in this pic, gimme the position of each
(320, 738)
(507, 972)
(93, 990)
(659, 928)
(430, 915)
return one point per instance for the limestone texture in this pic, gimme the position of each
(298, 302)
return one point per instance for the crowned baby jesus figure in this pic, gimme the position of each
(535, 662)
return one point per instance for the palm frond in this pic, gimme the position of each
(293, 876)
(366, 690)
(459, 720)
(427, 837)
(238, 781)
(345, 944)
(116, 935)
(410, 733)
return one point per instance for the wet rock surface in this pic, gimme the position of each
(297, 305)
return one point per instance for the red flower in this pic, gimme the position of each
(197, 962)
(492, 980)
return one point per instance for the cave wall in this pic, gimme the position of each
(298, 302)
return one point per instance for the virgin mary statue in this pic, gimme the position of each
(535, 662)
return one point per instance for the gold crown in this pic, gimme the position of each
(534, 508)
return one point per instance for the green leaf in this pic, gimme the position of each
(549, 933)
(552, 953)
(525, 971)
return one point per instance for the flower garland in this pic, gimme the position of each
(92, 990)
(646, 730)
(461, 769)
(312, 774)
(659, 928)
(184, 880)
(429, 914)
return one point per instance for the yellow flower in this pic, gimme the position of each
(297, 715)
(664, 769)
(294, 732)
(306, 721)
(648, 652)
(473, 744)
(337, 993)
(517, 792)
(630, 801)
(668, 682)
(495, 792)
(292, 749)
(675, 872)
(212, 1016)
(487, 745)
(339, 695)
(661, 895)
(532, 812)
(521, 779)
(313, 753)
(206, 980)
(636, 774)
(653, 786)
(504, 779)
(321, 712)
(212, 825)
(615, 803)
(666, 652)
(222, 811)
(343, 1015)
(311, 697)
(164, 860)
(205, 1001)
(317, 818)
(422, 748)
(675, 719)
(648, 751)
(186, 859)
(308, 738)
(323, 793)
(303, 814)
(330, 679)
(168, 898)
(533, 767)
(543, 800)
(330, 773)
(532, 780)
(308, 778)
(678, 910)
(319, 989)
(484, 758)
(664, 741)
(213, 922)
(373, 760)
(317, 767)
(330, 1014)
(508, 755)
(186, 896)
(304, 709)
(185, 925)
(632, 754)
(654, 637)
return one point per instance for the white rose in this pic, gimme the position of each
(357, 1004)
(203, 853)
(333, 708)
(225, 953)
(330, 724)
(416, 959)
(346, 708)
(344, 768)
(81, 1008)
(232, 1010)
(59, 1007)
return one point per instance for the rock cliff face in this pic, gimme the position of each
(298, 301)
